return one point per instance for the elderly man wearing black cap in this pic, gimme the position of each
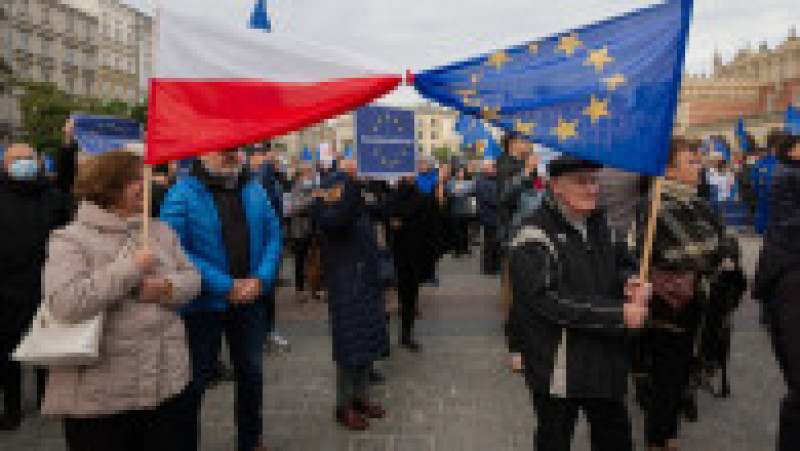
(574, 302)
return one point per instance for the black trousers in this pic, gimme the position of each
(609, 424)
(158, 429)
(408, 284)
(461, 235)
(671, 357)
(785, 333)
(11, 385)
(491, 250)
(300, 250)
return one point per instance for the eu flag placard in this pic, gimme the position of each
(385, 141)
(607, 92)
(95, 134)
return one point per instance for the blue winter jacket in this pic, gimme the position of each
(190, 210)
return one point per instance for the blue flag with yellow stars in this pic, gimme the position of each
(472, 129)
(607, 92)
(792, 120)
(741, 136)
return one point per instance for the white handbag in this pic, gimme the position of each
(52, 344)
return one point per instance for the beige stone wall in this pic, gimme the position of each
(50, 41)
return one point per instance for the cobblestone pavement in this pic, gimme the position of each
(457, 394)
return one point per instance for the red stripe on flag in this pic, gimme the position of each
(191, 117)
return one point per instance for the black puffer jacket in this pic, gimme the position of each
(567, 314)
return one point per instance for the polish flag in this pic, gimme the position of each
(217, 87)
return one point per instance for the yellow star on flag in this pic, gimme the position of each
(598, 58)
(614, 82)
(475, 79)
(490, 113)
(568, 44)
(533, 48)
(467, 92)
(524, 128)
(565, 129)
(498, 59)
(597, 109)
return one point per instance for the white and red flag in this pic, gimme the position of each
(217, 86)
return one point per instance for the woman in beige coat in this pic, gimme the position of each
(133, 398)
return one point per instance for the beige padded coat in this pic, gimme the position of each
(144, 358)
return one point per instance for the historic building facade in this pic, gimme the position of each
(758, 85)
(47, 41)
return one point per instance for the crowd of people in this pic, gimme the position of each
(565, 239)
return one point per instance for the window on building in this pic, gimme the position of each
(46, 47)
(23, 41)
(434, 136)
(71, 85)
(68, 60)
(88, 86)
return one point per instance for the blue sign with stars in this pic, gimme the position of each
(385, 141)
(607, 92)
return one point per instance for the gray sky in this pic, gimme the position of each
(420, 34)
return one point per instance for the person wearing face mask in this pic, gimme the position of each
(232, 233)
(30, 209)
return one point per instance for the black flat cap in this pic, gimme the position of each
(566, 164)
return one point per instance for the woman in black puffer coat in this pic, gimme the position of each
(777, 284)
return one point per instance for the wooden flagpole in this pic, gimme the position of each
(652, 221)
(147, 211)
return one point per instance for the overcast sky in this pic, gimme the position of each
(420, 34)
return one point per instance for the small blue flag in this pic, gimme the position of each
(741, 136)
(492, 151)
(792, 120)
(259, 20)
(607, 92)
(306, 155)
(96, 134)
(472, 129)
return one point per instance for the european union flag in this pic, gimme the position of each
(607, 92)
(385, 141)
(472, 129)
(741, 135)
(306, 155)
(96, 134)
(792, 120)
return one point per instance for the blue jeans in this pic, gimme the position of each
(244, 331)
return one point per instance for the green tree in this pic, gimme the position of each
(442, 154)
(45, 109)
(139, 113)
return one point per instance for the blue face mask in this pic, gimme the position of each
(26, 169)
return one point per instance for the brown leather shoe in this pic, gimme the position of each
(371, 410)
(351, 418)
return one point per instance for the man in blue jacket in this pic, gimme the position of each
(232, 234)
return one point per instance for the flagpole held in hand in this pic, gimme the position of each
(148, 196)
(652, 221)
